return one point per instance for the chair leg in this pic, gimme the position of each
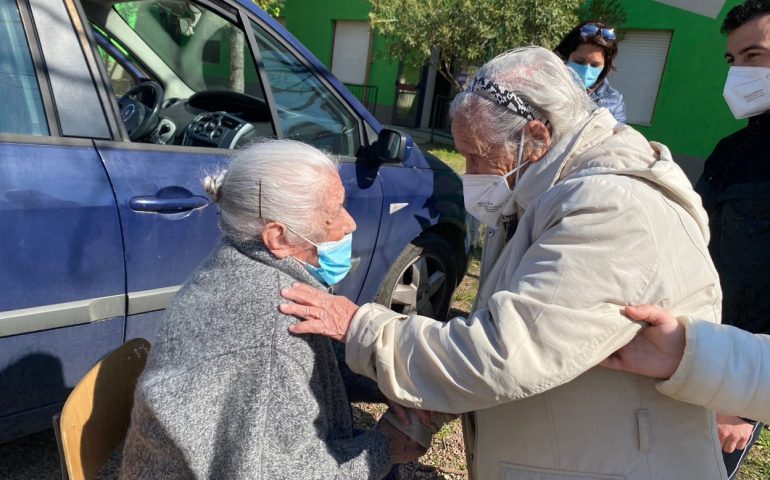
(56, 420)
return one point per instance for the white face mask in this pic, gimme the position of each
(747, 91)
(486, 195)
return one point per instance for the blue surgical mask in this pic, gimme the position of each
(588, 74)
(334, 259)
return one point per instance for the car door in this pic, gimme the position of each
(61, 260)
(168, 225)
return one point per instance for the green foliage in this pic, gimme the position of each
(463, 33)
(610, 12)
(273, 7)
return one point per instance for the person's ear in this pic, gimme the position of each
(540, 137)
(274, 238)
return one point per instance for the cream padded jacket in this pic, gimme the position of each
(609, 219)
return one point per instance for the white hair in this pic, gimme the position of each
(272, 180)
(542, 80)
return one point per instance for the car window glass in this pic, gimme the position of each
(184, 73)
(204, 50)
(22, 103)
(122, 68)
(120, 78)
(308, 111)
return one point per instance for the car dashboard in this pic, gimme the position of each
(213, 119)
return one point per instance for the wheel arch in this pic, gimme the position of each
(455, 235)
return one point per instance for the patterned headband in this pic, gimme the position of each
(505, 98)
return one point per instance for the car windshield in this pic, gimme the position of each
(204, 50)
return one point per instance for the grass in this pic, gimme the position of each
(447, 154)
(757, 466)
(445, 460)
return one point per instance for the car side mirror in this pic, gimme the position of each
(390, 146)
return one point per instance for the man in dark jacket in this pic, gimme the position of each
(735, 187)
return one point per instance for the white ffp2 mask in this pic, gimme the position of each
(747, 91)
(486, 195)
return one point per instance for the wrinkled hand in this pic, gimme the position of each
(656, 350)
(402, 448)
(401, 412)
(324, 314)
(734, 432)
(427, 417)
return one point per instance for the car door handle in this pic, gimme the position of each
(167, 205)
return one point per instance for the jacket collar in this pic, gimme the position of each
(603, 147)
(602, 90)
(288, 265)
(544, 174)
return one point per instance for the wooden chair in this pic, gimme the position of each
(95, 417)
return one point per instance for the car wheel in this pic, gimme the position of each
(422, 279)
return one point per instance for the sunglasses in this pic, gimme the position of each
(590, 30)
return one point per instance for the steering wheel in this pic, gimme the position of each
(140, 109)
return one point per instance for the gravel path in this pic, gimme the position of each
(37, 457)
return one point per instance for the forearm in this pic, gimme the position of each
(539, 323)
(722, 369)
(466, 365)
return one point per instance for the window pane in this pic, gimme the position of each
(309, 112)
(204, 50)
(22, 103)
(120, 79)
(640, 63)
(350, 57)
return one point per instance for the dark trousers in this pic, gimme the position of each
(734, 460)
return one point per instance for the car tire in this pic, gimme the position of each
(422, 279)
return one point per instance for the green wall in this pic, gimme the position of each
(690, 115)
(312, 22)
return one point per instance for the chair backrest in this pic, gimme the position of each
(96, 415)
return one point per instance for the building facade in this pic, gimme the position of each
(671, 70)
(338, 33)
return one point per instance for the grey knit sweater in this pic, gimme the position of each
(228, 392)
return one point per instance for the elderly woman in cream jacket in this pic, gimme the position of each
(584, 216)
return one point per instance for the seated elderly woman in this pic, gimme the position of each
(227, 393)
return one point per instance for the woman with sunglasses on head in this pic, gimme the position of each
(589, 50)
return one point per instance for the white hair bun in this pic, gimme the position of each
(213, 185)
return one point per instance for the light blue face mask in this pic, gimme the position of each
(588, 74)
(334, 259)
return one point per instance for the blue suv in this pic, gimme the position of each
(113, 113)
